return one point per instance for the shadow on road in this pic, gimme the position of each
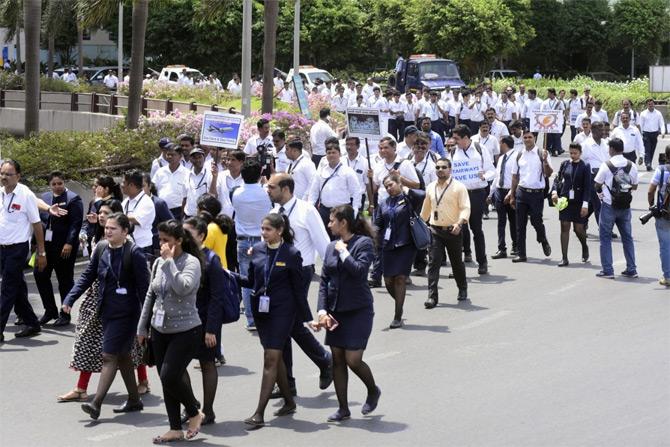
(232, 370)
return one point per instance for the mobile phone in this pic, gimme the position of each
(334, 324)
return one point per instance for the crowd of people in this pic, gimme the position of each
(169, 248)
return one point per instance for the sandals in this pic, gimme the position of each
(162, 440)
(143, 388)
(285, 411)
(192, 433)
(73, 396)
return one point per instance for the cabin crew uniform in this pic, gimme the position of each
(58, 232)
(504, 111)
(499, 189)
(577, 185)
(333, 187)
(19, 211)
(392, 222)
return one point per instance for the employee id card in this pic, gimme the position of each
(159, 318)
(48, 235)
(264, 304)
(387, 234)
(571, 194)
(121, 291)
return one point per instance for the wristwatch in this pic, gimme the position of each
(42, 254)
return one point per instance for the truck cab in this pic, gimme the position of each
(427, 70)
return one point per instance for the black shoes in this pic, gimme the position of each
(208, 419)
(467, 258)
(374, 284)
(371, 402)
(2, 338)
(483, 269)
(500, 254)
(395, 324)
(339, 416)
(276, 394)
(28, 331)
(514, 252)
(462, 295)
(546, 248)
(563, 263)
(520, 259)
(585, 253)
(326, 376)
(430, 303)
(419, 272)
(129, 407)
(47, 317)
(63, 320)
(92, 410)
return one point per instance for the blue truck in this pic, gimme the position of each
(427, 70)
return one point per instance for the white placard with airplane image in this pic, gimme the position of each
(221, 129)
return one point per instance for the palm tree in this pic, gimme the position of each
(96, 12)
(11, 17)
(55, 17)
(270, 15)
(32, 10)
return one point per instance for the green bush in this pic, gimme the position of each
(11, 81)
(610, 93)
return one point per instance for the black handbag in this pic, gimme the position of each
(148, 356)
(421, 234)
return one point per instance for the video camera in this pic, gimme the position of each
(265, 158)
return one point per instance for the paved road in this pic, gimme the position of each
(541, 357)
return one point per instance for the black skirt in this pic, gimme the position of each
(571, 213)
(353, 331)
(398, 261)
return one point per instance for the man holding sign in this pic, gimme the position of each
(554, 135)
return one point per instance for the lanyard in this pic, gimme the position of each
(294, 164)
(117, 276)
(355, 163)
(136, 203)
(267, 271)
(202, 179)
(9, 207)
(425, 164)
(439, 199)
(289, 211)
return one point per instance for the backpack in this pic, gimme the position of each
(622, 186)
(663, 196)
(232, 296)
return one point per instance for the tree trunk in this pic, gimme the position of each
(80, 51)
(269, 52)
(32, 10)
(19, 63)
(50, 55)
(140, 13)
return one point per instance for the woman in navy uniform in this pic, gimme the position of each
(278, 298)
(392, 222)
(345, 305)
(573, 182)
(123, 278)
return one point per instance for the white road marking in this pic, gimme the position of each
(484, 320)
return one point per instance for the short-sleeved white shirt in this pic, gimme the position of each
(382, 169)
(142, 208)
(19, 211)
(605, 176)
(172, 186)
(529, 167)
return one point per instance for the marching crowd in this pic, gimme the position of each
(208, 233)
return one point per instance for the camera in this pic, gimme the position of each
(265, 158)
(654, 211)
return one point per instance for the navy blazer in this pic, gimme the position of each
(400, 231)
(65, 228)
(136, 281)
(287, 296)
(581, 172)
(344, 285)
(210, 298)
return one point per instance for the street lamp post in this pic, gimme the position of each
(246, 58)
(296, 38)
(120, 43)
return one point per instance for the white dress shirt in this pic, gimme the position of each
(410, 111)
(652, 121)
(518, 142)
(251, 203)
(318, 135)
(498, 129)
(110, 81)
(310, 236)
(339, 103)
(581, 116)
(281, 160)
(225, 185)
(529, 168)
(595, 154)
(552, 104)
(172, 186)
(431, 110)
(632, 139)
(142, 208)
(198, 184)
(360, 167)
(286, 95)
(342, 188)
(468, 163)
(382, 169)
(504, 159)
(602, 115)
(489, 142)
(156, 164)
(490, 99)
(19, 212)
(251, 148)
(303, 171)
(531, 105)
(575, 108)
(634, 117)
(605, 176)
(477, 110)
(504, 110)
(426, 168)
(581, 137)
(403, 150)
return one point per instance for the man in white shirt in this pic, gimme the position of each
(574, 110)
(553, 139)
(110, 80)
(530, 171)
(359, 164)
(200, 182)
(504, 109)
(19, 221)
(472, 166)
(310, 239)
(301, 168)
(334, 184)
(433, 110)
(285, 94)
(368, 88)
(160, 161)
(477, 112)
(420, 159)
(140, 210)
(235, 85)
(586, 131)
(229, 180)
(406, 146)
(69, 77)
(489, 98)
(396, 120)
(616, 208)
(599, 112)
(500, 186)
(262, 138)
(634, 116)
(633, 147)
(487, 141)
(532, 104)
(498, 129)
(318, 135)
(522, 96)
(356, 98)
(172, 182)
(587, 113)
(652, 125)
(595, 152)
(340, 102)
(278, 81)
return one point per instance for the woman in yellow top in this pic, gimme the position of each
(218, 227)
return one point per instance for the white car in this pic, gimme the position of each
(171, 73)
(309, 75)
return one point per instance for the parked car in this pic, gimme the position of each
(607, 76)
(171, 73)
(494, 75)
(426, 70)
(310, 74)
(96, 75)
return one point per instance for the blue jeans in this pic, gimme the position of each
(608, 217)
(244, 259)
(663, 233)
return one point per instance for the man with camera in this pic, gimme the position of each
(261, 146)
(659, 208)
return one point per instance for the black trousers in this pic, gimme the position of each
(649, 139)
(554, 143)
(304, 337)
(474, 126)
(178, 213)
(505, 213)
(438, 126)
(630, 156)
(14, 290)
(316, 159)
(573, 133)
(477, 206)
(397, 128)
(454, 244)
(594, 201)
(173, 353)
(64, 274)
(529, 204)
(324, 212)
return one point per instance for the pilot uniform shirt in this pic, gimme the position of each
(652, 121)
(506, 176)
(581, 137)
(302, 170)
(504, 110)
(498, 129)
(395, 108)
(403, 150)
(575, 108)
(310, 236)
(529, 167)
(172, 186)
(198, 184)
(490, 100)
(342, 188)
(19, 212)
(251, 148)
(156, 164)
(410, 111)
(489, 142)
(431, 110)
(318, 135)
(281, 160)
(632, 139)
(477, 110)
(142, 208)
(381, 170)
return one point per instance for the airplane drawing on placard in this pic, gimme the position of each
(213, 128)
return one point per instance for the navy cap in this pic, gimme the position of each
(197, 150)
(163, 142)
(409, 130)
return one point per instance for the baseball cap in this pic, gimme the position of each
(163, 142)
(409, 130)
(197, 150)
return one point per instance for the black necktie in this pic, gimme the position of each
(281, 210)
(501, 183)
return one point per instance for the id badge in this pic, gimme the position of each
(387, 234)
(571, 194)
(264, 304)
(159, 317)
(48, 235)
(435, 216)
(121, 291)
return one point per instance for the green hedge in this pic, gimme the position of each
(11, 81)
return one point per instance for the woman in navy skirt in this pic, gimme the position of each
(122, 289)
(345, 305)
(277, 300)
(392, 223)
(573, 182)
